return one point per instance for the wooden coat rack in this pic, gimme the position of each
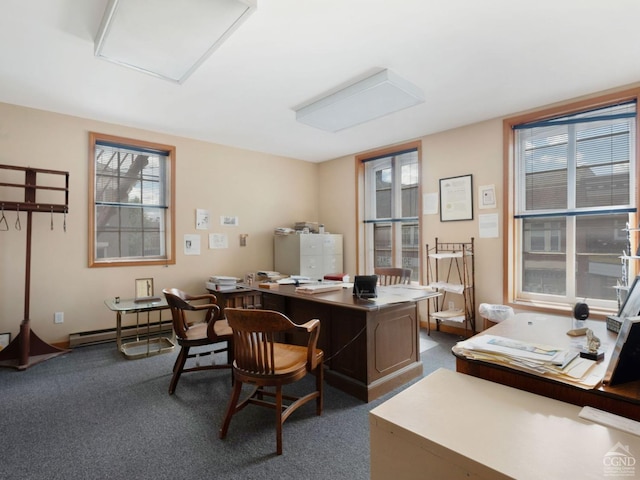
(27, 348)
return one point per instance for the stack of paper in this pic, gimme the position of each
(319, 288)
(221, 283)
(267, 275)
(283, 231)
(294, 279)
(563, 364)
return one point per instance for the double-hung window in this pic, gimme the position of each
(573, 199)
(391, 209)
(131, 202)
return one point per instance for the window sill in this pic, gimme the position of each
(595, 313)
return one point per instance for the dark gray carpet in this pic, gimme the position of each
(91, 414)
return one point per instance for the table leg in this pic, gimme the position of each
(119, 331)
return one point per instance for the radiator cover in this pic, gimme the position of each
(109, 335)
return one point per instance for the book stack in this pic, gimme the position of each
(221, 283)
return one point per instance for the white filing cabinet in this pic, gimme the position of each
(310, 255)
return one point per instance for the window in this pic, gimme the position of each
(572, 196)
(131, 202)
(390, 204)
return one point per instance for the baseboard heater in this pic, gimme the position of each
(93, 337)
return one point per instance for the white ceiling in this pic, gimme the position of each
(473, 59)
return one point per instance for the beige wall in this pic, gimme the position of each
(264, 191)
(474, 149)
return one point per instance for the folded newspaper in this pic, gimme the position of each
(545, 360)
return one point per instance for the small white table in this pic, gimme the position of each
(455, 426)
(149, 345)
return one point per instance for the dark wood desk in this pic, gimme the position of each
(238, 297)
(371, 347)
(622, 399)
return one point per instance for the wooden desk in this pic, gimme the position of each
(370, 347)
(429, 431)
(140, 347)
(238, 297)
(622, 399)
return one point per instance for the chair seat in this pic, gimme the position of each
(288, 359)
(199, 330)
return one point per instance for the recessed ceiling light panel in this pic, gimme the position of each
(375, 96)
(167, 38)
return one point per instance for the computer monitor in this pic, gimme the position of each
(624, 365)
(365, 286)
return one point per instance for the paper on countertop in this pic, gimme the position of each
(610, 420)
(535, 358)
(295, 279)
(319, 288)
(509, 347)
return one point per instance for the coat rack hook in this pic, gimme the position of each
(4, 226)
(18, 226)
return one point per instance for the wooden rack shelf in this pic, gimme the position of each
(450, 271)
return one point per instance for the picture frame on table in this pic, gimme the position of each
(144, 291)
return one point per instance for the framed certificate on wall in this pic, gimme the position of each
(456, 198)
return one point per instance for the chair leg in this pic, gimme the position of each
(231, 408)
(177, 368)
(279, 420)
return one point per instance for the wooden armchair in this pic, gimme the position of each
(393, 276)
(212, 331)
(261, 361)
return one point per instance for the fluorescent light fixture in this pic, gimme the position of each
(167, 38)
(375, 96)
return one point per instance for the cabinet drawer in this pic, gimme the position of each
(310, 244)
(332, 244)
(333, 264)
(311, 266)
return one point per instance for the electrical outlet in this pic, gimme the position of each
(452, 306)
(58, 317)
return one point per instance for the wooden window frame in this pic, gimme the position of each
(510, 239)
(363, 266)
(170, 236)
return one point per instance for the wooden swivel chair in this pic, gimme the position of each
(261, 361)
(393, 276)
(212, 331)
